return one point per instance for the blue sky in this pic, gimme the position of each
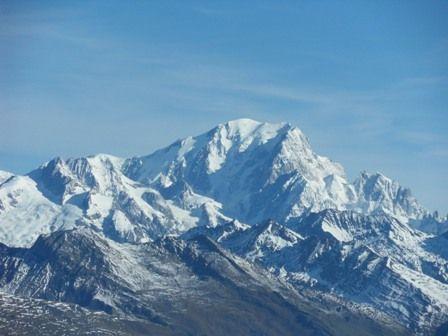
(367, 81)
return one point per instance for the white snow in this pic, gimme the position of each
(242, 171)
(121, 222)
(429, 286)
(25, 213)
(4, 175)
(336, 231)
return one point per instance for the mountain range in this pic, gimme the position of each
(242, 229)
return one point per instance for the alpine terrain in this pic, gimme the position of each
(242, 230)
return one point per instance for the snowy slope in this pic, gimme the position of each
(257, 171)
(243, 169)
(25, 212)
(88, 191)
(261, 191)
(378, 193)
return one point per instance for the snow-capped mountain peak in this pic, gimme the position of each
(242, 169)
(61, 179)
(263, 161)
(261, 191)
(378, 193)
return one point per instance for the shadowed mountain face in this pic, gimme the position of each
(175, 286)
(257, 190)
(360, 258)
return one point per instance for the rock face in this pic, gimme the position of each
(374, 260)
(257, 190)
(171, 286)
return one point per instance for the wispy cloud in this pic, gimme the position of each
(107, 92)
(439, 152)
(48, 24)
(422, 137)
